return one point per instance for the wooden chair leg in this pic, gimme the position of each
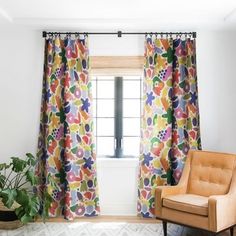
(232, 231)
(164, 224)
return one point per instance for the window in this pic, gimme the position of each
(117, 115)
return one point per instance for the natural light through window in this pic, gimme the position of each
(117, 115)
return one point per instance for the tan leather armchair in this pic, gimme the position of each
(205, 196)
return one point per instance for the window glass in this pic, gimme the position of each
(105, 126)
(131, 89)
(105, 89)
(105, 108)
(131, 126)
(105, 146)
(131, 146)
(131, 107)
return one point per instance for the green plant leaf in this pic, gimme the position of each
(2, 181)
(30, 205)
(26, 218)
(22, 171)
(8, 197)
(22, 197)
(4, 166)
(47, 200)
(31, 159)
(19, 212)
(31, 177)
(34, 205)
(18, 164)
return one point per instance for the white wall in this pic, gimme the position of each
(21, 66)
(21, 58)
(216, 61)
(110, 45)
(117, 181)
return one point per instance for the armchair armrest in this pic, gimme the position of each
(222, 208)
(221, 211)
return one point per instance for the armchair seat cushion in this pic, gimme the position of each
(191, 203)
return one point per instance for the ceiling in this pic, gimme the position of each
(111, 15)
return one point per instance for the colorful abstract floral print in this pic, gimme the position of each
(66, 143)
(170, 125)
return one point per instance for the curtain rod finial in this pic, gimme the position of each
(44, 33)
(194, 34)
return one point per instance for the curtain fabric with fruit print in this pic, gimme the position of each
(170, 125)
(66, 143)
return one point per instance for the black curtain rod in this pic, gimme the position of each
(119, 33)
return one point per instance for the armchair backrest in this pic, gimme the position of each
(210, 172)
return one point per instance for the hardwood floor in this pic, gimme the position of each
(98, 219)
(173, 230)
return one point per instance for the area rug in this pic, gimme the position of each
(91, 229)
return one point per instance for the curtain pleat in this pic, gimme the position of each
(66, 150)
(170, 124)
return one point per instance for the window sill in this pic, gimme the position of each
(117, 162)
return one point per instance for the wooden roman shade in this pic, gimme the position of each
(116, 65)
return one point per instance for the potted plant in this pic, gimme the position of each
(19, 204)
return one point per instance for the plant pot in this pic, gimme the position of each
(8, 218)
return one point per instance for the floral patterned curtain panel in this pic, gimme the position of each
(170, 125)
(66, 143)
